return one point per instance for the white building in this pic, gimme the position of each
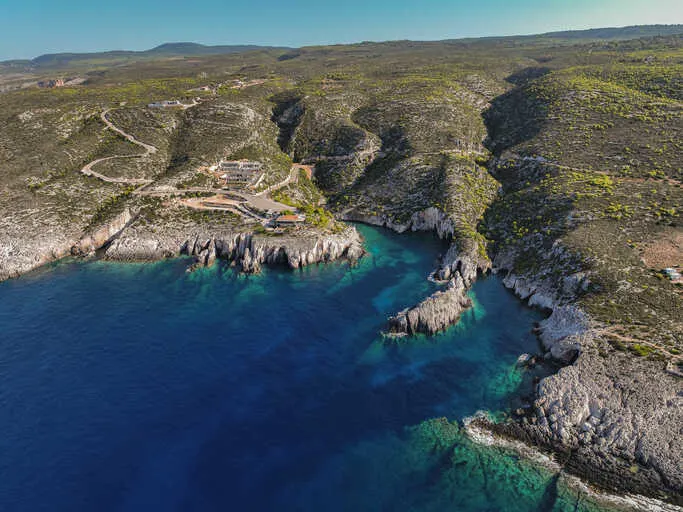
(239, 172)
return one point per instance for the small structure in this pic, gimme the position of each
(49, 84)
(672, 274)
(291, 219)
(239, 172)
(165, 104)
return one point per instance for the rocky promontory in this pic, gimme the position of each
(244, 248)
(128, 237)
(434, 314)
(458, 268)
(614, 419)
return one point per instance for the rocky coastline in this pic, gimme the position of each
(247, 250)
(478, 428)
(611, 419)
(124, 239)
(434, 314)
(458, 268)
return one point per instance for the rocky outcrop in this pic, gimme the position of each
(459, 267)
(21, 252)
(479, 429)
(103, 235)
(617, 418)
(435, 313)
(462, 258)
(564, 332)
(247, 250)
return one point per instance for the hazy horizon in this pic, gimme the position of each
(36, 27)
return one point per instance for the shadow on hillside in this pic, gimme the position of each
(287, 114)
(516, 116)
(395, 147)
(341, 176)
(528, 215)
(524, 76)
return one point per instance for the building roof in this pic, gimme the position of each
(290, 218)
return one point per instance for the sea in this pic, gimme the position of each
(141, 387)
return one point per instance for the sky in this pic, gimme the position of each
(29, 28)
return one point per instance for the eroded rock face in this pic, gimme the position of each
(462, 258)
(434, 314)
(618, 416)
(104, 234)
(245, 249)
(563, 332)
(430, 219)
(22, 252)
(615, 413)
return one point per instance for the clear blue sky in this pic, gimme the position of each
(32, 27)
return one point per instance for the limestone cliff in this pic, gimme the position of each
(617, 417)
(20, 254)
(459, 267)
(434, 314)
(103, 234)
(247, 250)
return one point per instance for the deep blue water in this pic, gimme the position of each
(137, 387)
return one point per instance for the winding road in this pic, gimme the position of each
(610, 331)
(259, 201)
(87, 170)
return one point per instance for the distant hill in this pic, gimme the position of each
(199, 49)
(617, 33)
(56, 60)
(188, 49)
(580, 36)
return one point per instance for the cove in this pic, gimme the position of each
(136, 387)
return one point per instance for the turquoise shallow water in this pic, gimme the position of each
(140, 387)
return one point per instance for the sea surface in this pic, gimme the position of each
(140, 387)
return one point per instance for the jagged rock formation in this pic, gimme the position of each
(251, 253)
(247, 250)
(465, 259)
(459, 267)
(103, 235)
(617, 418)
(435, 313)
